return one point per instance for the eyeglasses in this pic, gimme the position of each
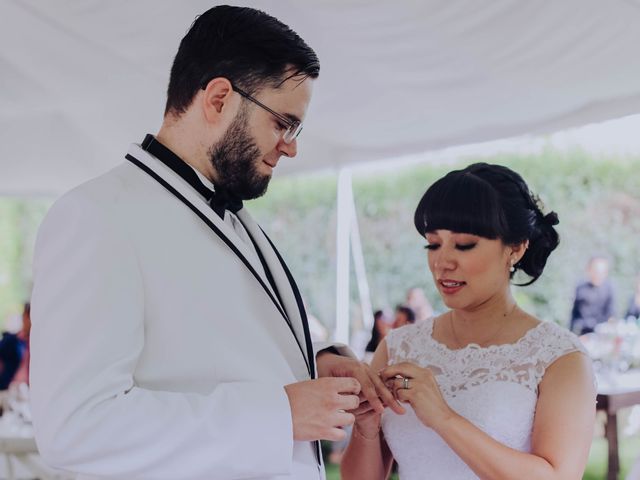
(293, 127)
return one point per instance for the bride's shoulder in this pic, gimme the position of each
(556, 339)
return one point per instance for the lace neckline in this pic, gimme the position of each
(474, 346)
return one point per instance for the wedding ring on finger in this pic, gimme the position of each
(404, 385)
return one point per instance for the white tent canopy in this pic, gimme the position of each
(83, 79)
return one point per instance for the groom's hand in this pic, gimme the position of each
(318, 407)
(373, 391)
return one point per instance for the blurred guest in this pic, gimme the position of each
(12, 350)
(22, 374)
(594, 299)
(404, 316)
(417, 301)
(634, 304)
(381, 325)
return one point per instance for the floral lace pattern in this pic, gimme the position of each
(523, 362)
(494, 387)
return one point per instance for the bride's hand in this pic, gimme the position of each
(367, 422)
(421, 391)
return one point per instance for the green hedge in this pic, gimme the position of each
(19, 220)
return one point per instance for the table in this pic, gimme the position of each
(616, 391)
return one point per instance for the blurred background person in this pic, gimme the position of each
(594, 299)
(382, 323)
(22, 374)
(634, 304)
(14, 349)
(10, 357)
(404, 316)
(417, 301)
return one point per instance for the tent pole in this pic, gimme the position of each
(361, 272)
(344, 207)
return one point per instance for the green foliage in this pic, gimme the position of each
(299, 215)
(19, 220)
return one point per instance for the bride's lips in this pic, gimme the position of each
(450, 287)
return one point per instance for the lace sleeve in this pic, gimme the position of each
(554, 343)
(558, 342)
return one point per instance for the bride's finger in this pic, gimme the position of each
(404, 369)
(395, 384)
(404, 395)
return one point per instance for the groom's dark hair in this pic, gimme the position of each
(248, 47)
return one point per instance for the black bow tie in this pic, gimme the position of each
(219, 200)
(222, 200)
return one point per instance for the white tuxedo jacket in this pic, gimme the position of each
(157, 353)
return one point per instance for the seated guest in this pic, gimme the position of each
(594, 300)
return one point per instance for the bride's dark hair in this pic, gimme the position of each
(491, 201)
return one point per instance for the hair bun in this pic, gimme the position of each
(551, 218)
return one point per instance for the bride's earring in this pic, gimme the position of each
(512, 268)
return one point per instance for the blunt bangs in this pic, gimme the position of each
(464, 203)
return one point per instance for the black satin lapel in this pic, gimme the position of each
(212, 226)
(267, 272)
(301, 309)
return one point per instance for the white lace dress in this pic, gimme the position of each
(495, 388)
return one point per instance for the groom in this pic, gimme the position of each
(169, 338)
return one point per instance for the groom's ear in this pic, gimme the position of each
(218, 104)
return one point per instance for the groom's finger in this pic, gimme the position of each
(364, 407)
(343, 419)
(347, 402)
(345, 384)
(370, 393)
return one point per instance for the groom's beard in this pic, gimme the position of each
(235, 159)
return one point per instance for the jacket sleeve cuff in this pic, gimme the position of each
(338, 348)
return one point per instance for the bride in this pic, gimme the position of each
(490, 391)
